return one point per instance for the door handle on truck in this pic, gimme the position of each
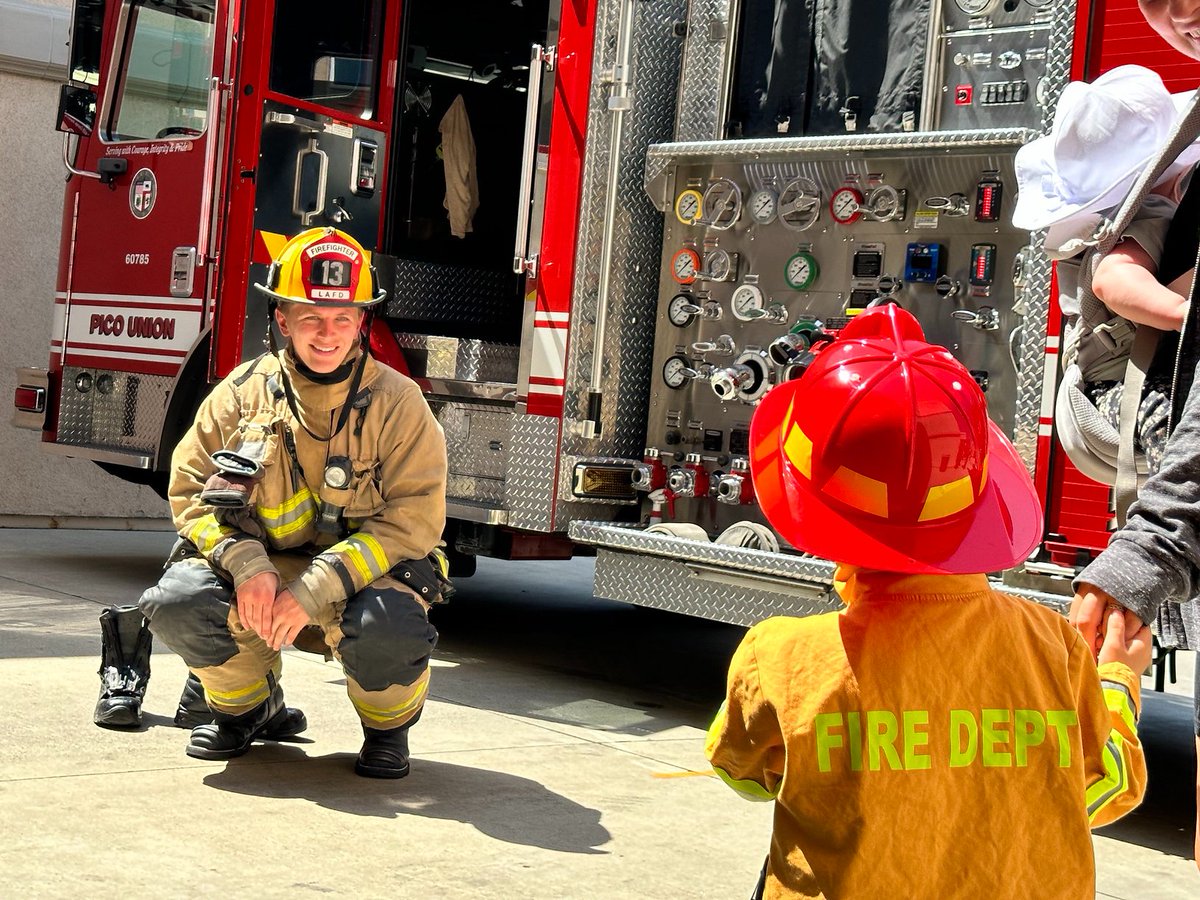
(539, 58)
(306, 216)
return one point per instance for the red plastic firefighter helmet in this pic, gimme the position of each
(323, 267)
(882, 455)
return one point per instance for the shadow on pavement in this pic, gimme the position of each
(505, 807)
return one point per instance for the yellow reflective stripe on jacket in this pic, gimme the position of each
(751, 790)
(206, 533)
(290, 516)
(365, 554)
(243, 698)
(413, 698)
(1116, 775)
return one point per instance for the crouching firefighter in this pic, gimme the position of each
(309, 491)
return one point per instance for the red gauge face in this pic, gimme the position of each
(684, 265)
(845, 205)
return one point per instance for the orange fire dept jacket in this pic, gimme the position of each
(394, 505)
(934, 739)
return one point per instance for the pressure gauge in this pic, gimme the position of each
(722, 204)
(747, 302)
(801, 271)
(1039, 3)
(975, 7)
(687, 207)
(674, 371)
(846, 205)
(681, 310)
(684, 265)
(718, 265)
(799, 203)
(764, 206)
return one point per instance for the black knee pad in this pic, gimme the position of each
(387, 638)
(189, 611)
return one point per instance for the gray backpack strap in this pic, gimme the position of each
(1125, 489)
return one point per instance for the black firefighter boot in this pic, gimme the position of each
(124, 667)
(229, 736)
(193, 710)
(384, 754)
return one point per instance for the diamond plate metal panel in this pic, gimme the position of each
(660, 156)
(1058, 62)
(703, 83)
(533, 464)
(128, 417)
(729, 584)
(637, 236)
(736, 598)
(462, 359)
(477, 438)
(454, 294)
(475, 490)
(1031, 355)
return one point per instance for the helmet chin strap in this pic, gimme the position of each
(344, 415)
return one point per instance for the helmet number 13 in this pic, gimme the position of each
(330, 273)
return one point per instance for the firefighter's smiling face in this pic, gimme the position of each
(322, 336)
(1177, 21)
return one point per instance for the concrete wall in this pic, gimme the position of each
(35, 483)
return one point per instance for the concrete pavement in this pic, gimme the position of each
(557, 758)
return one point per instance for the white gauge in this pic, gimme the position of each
(684, 265)
(675, 371)
(747, 302)
(722, 204)
(718, 265)
(687, 207)
(799, 204)
(801, 271)
(846, 205)
(764, 206)
(681, 310)
(975, 7)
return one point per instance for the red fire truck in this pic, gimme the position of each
(649, 200)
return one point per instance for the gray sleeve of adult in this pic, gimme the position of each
(1156, 556)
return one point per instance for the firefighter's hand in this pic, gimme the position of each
(288, 619)
(255, 598)
(1126, 639)
(1087, 614)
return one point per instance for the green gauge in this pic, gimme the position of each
(801, 271)
(687, 206)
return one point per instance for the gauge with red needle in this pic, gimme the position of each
(846, 205)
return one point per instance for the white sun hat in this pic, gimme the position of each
(1104, 133)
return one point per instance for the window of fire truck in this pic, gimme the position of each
(166, 63)
(87, 29)
(335, 64)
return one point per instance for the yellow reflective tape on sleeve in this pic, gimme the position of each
(1114, 780)
(751, 790)
(290, 516)
(1116, 696)
(206, 532)
(365, 554)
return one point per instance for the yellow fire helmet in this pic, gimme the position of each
(323, 267)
